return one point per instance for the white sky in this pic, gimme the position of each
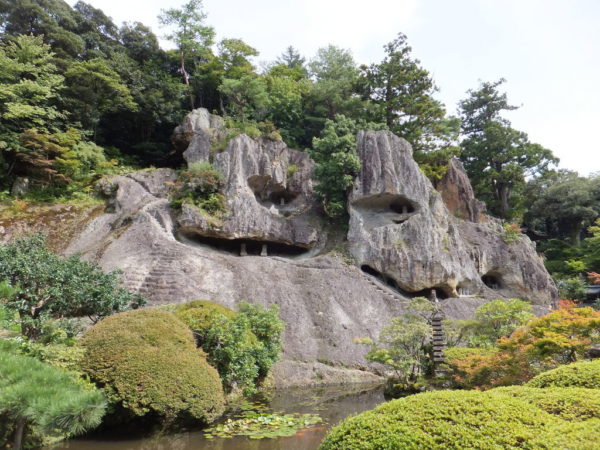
(548, 50)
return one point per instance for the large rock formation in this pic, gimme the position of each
(458, 194)
(401, 229)
(269, 200)
(401, 235)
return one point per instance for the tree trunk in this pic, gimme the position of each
(186, 78)
(576, 234)
(19, 432)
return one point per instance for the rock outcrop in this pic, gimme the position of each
(403, 238)
(458, 194)
(269, 195)
(197, 133)
(401, 229)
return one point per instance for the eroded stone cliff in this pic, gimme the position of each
(403, 239)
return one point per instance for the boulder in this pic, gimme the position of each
(402, 232)
(198, 131)
(269, 195)
(457, 194)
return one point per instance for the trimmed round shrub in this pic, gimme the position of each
(199, 314)
(567, 403)
(148, 364)
(584, 374)
(457, 420)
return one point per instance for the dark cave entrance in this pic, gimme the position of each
(391, 283)
(252, 247)
(493, 280)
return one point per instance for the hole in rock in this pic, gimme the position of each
(493, 280)
(252, 247)
(391, 283)
(439, 292)
(402, 205)
(385, 209)
(466, 290)
(269, 194)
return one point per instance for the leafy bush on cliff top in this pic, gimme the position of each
(585, 374)
(148, 364)
(458, 420)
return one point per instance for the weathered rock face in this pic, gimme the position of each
(196, 134)
(458, 194)
(269, 196)
(401, 229)
(401, 234)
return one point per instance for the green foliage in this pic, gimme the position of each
(336, 163)
(49, 286)
(562, 205)
(511, 233)
(403, 92)
(34, 395)
(403, 344)
(241, 346)
(256, 425)
(199, 186)
(496, 319)
(154, 346)
(197, 315)
(247, 97)
(497, 157)
(191, 36)
(584, 374)
(96, 89)
(459, 419)
(569, 403)
(571, 288)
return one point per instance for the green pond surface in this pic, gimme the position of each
(333, 404)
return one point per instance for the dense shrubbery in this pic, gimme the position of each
(46, 286)
(199, 186)
(40, 403)
(241, 346)
(149, 366)
(459, 419)
(585, 374)
(560, 337)
(567, 403)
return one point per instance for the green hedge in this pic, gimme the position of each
(584, 374)
(458, 420)
(198, 315)
(148, 364)
(567, 403)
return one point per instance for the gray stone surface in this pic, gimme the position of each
(401, 228)
(257, 178)
(457, 194)
(196, 133)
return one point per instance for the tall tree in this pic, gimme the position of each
(192, 37)
(335, 75)
(497, 157)
(403, 91)
(562, 205)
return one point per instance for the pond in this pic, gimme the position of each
(333, 404)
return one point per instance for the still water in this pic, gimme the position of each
(333, 404)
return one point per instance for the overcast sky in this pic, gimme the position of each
(548, 50)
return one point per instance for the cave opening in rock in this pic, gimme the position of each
(250, 247)
(493, 280)
(440, 293)
(391, 283)
(402, 205)
(269, 194)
